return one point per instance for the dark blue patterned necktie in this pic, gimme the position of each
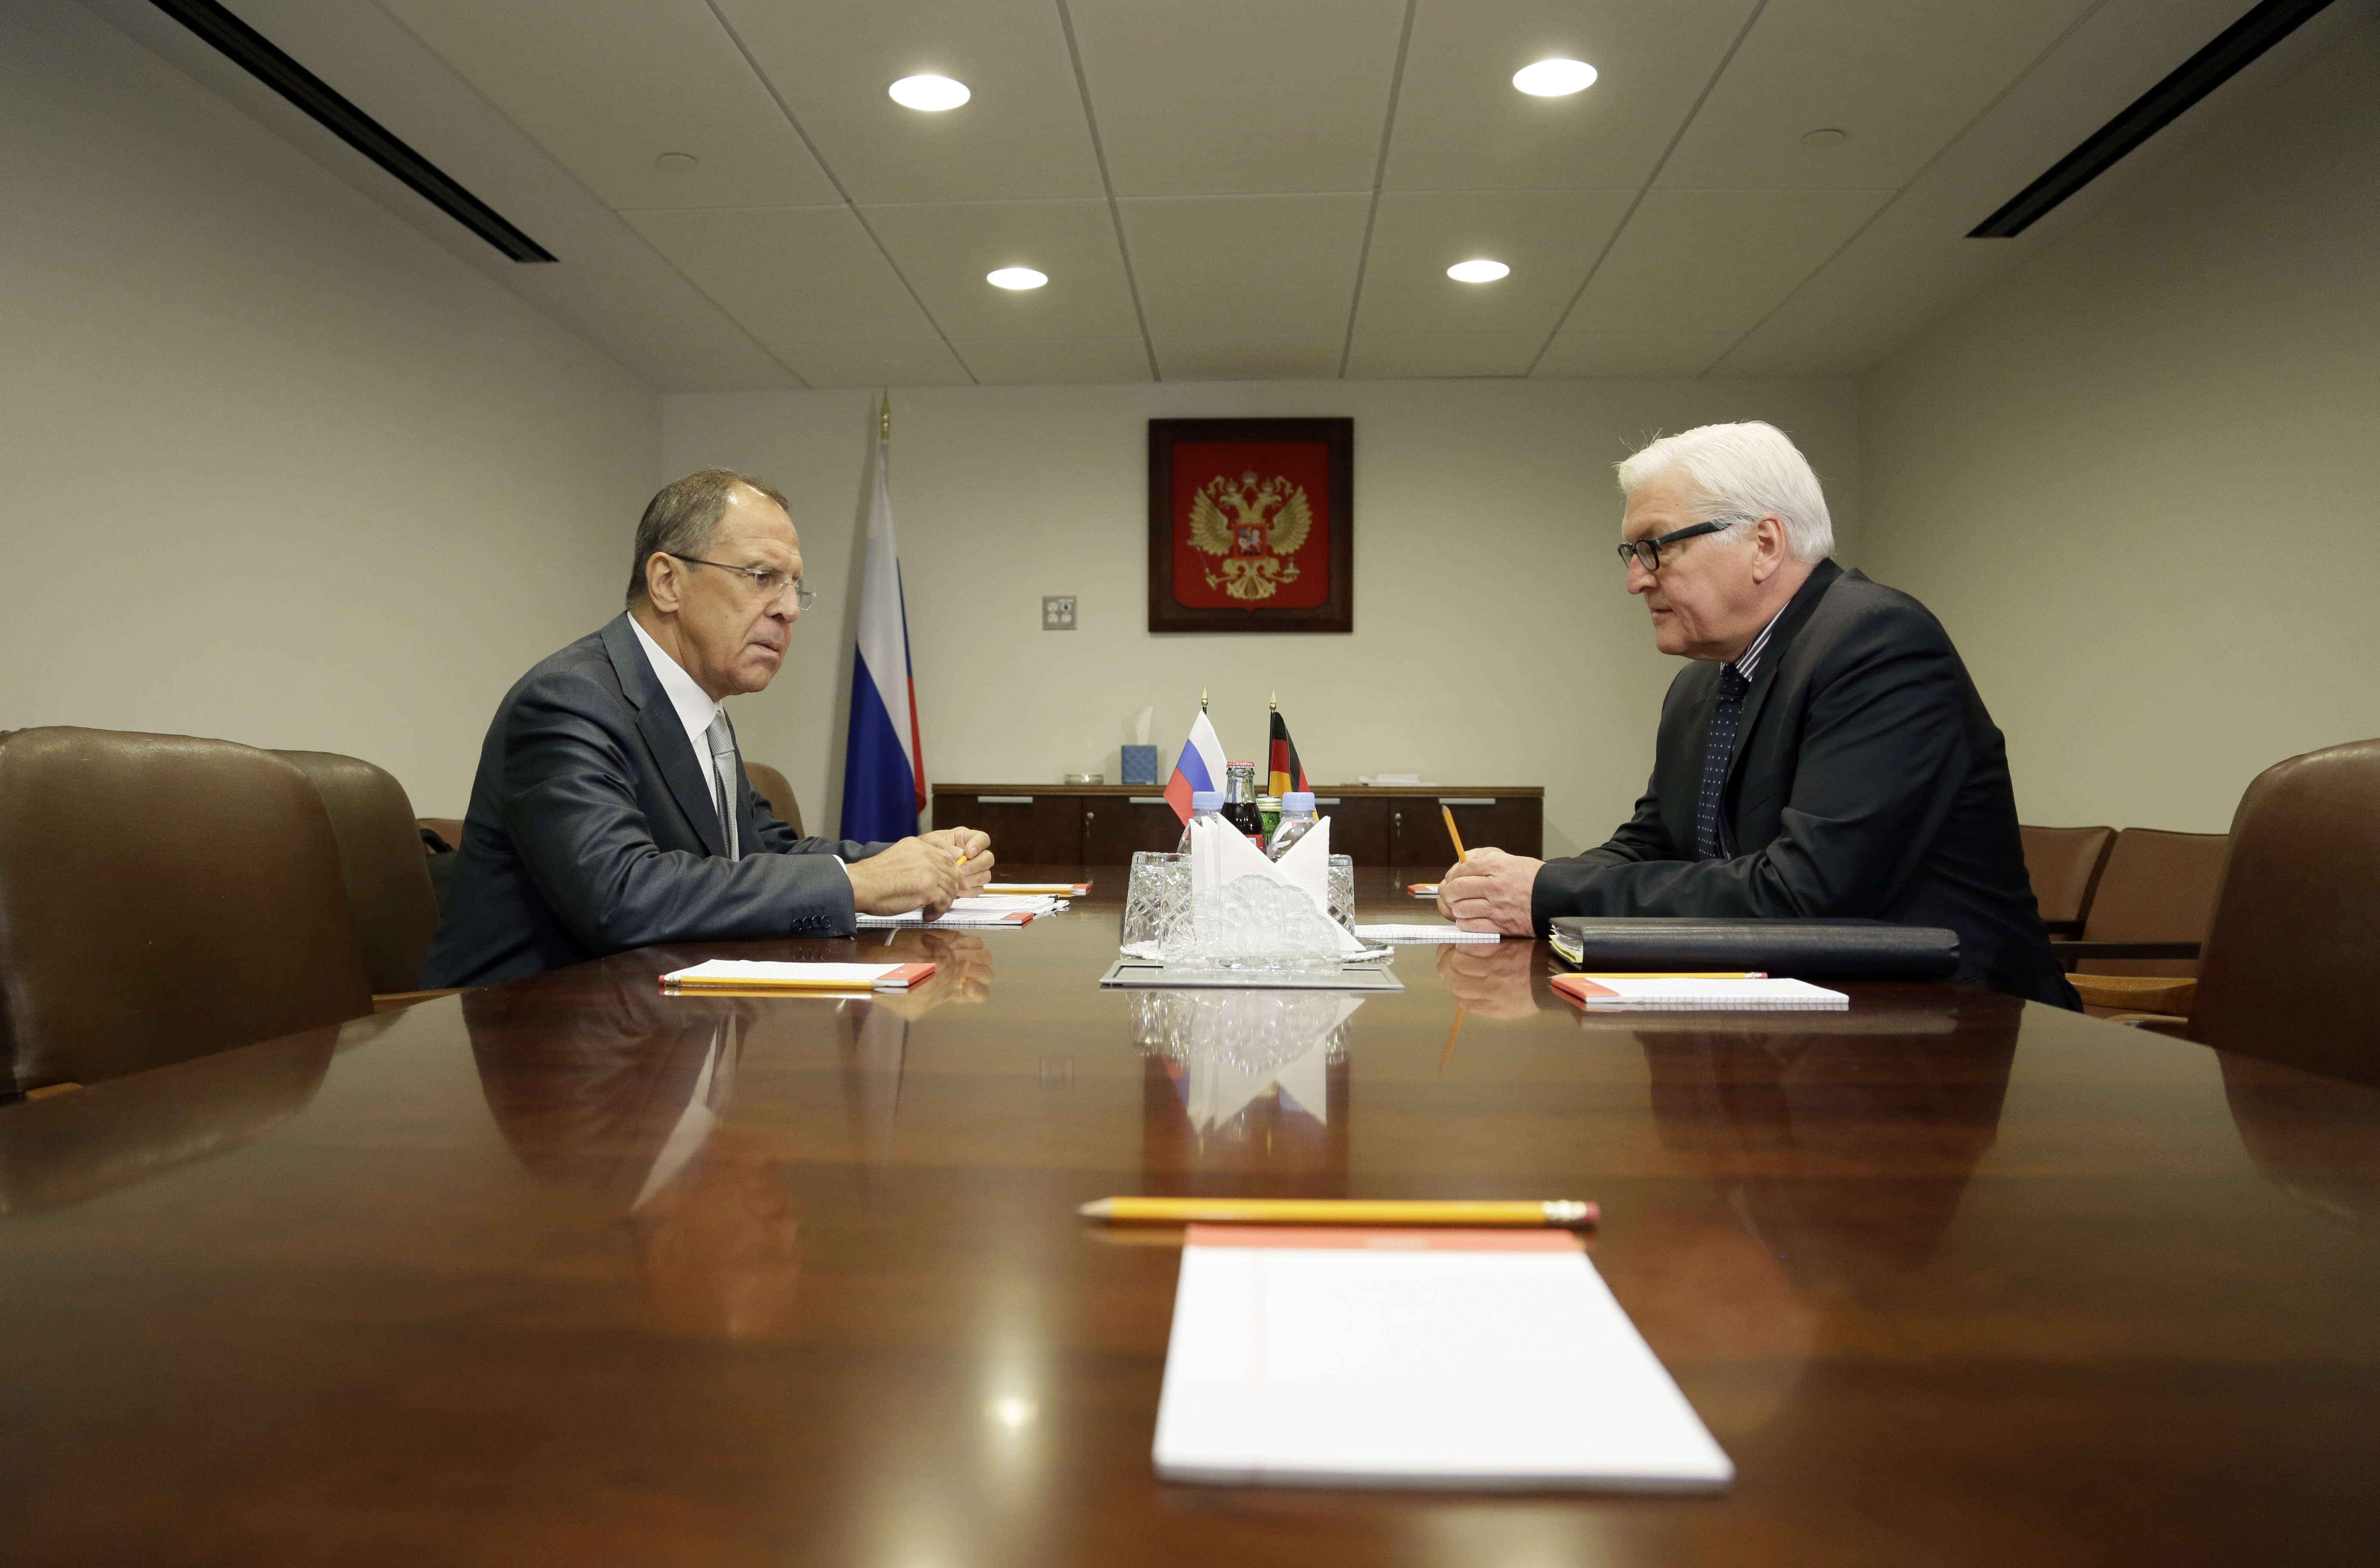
(1718, 750)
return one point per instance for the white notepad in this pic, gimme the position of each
(1417, 1358)
(1442, 932)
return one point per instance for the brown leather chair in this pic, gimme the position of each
(2289, 970)
(2159, 886)
(772, 787)
(161, 898)
(2064, 865)
(380, 861)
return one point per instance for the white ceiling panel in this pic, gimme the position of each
(1220, 97)
(879, 363)
(1374, 356)
(1635, 355)
(1249, 359)
(1899, 77)
(1914, 262)
(789, 274)
(608, 86)
(1549, 238)
(1021, 137)
(944, 249)
(1716, 261)
(1257, 266)
(1462, 125)
(1016, 361)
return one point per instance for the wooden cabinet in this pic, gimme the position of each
(1398, 827)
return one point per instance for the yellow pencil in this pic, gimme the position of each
(1461, 854)
(1334, 1211)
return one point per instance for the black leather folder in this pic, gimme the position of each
(1834, 949)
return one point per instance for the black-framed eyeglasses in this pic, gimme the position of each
(1648, 551)
(770, 583)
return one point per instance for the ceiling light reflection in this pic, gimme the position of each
(1554, 78)
(1016, 278)
(1013, 1412)
(1480, 270)
(930, 93)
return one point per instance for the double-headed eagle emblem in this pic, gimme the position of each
(1270, 520)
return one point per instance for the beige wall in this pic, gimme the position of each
(2139, 478)
(1494, 642)
(277, 469)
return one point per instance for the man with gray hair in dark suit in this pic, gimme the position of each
(1823, 754)
(611, 810)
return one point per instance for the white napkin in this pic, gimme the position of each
(1220, 853)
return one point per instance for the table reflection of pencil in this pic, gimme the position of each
(1447, 1054)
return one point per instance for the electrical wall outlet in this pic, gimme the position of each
(1057, 612)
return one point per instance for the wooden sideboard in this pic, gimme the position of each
(1396, 826)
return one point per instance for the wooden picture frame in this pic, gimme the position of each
(1251, 525)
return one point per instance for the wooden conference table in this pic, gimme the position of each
(570, 1272)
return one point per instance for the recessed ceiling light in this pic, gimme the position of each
(1819, 141)
(676, 163)
(1554, 78)
(1016, 278)
(931, 93)
(1481, 270)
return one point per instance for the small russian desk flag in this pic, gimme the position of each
(1200, 766)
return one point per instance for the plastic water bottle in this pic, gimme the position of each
(1297, 820)
(1203, 803)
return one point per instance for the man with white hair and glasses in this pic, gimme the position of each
(611, 810)
(1824, 755)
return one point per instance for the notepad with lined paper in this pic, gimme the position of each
(1617, 992)
(1462, 1359)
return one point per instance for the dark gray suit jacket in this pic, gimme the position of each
(591, 830)
(1868, 780)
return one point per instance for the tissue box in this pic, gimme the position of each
(1140, 764)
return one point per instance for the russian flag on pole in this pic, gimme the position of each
(1200, 766)
(883, 762)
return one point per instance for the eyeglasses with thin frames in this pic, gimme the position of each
(1648, 551)
(770, 583)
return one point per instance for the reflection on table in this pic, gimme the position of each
(1243, 1085)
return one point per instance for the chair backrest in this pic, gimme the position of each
(2064, 865)
(380, 861)
(772, 787)
(2290, 966)
(161, 898)
(2159, 886)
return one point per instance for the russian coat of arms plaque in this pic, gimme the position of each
(1251, 525)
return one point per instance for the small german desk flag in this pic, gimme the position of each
(1288, 772)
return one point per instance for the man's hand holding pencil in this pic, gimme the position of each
(1486, 890)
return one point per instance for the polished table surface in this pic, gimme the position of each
(568, 1271)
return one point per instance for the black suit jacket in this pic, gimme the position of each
(1868, 780)
(591, 830)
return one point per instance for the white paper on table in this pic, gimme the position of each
(1418, 1359)
(1221, 854)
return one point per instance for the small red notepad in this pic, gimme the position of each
(738, 974)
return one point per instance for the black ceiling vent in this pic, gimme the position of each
(2239, 44)
(256, 54)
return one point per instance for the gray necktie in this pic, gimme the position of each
(722, 770)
